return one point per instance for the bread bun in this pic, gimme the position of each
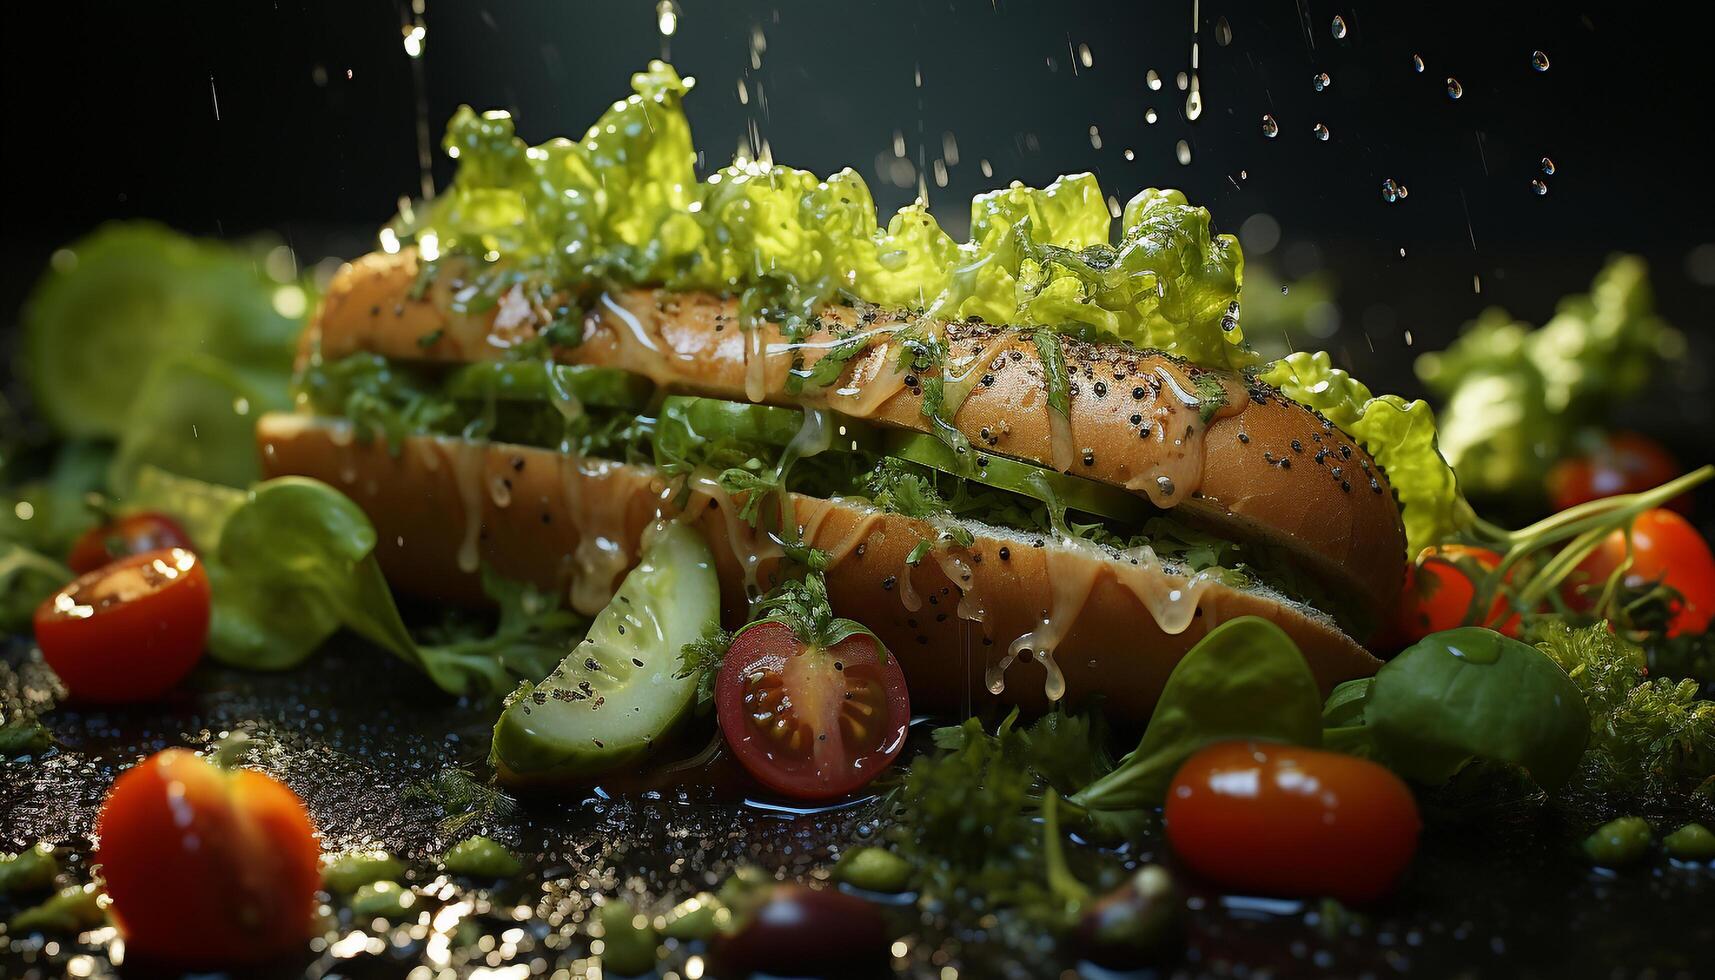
(1259, 468)
(443, 507)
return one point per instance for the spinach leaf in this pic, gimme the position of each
(1471, 693)
(193, 416)
(1246, 679)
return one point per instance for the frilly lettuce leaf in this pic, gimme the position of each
(1399, 434)
(1516, 397)
(624, 205)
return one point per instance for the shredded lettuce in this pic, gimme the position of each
(1399, 434)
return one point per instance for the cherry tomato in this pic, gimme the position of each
(1438, 594)
(207, 866)
(808, 722)
(1280, 819)
(129, 630)
(128, 535)
(1623, 462)
(1665, 550)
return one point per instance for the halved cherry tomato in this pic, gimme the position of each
(809, 722)
(1286, 820)
(1665, 550)
(129, 630)
(128, 535)
(1623, 462)
(207, 866)
(1438, 594)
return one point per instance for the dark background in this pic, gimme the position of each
(299, 118)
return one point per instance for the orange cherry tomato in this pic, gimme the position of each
(1438, 594)
(206, 866)
(1280, 819)
(128, 535)
(1623, 462)
(129, 630)
(1665, 550)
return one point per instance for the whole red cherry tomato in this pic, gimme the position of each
(128, 535)
(1665, 550)
(207, 866)
(129, 630)
(813, 723)
(1438, 593)
(1286, 820)
(1623, 462)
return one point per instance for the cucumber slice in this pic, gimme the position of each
(615, 695)
(714, 420)
(1036, 482)
(528, 381)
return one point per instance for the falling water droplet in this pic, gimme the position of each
(1539, 61)
(1182, 80)
(1321, 132)
(1149, 116)
(1129, 155)
(1321, 81)
(1417, 63)
(1270, 128)
(667, 17)
(1223, 32)
(1393, 190)
(1183, 152)
(1454, 89)
(1283, 289)
(1339, 27)
(1548, 166)
(1193, 104)
(1154, 81)
(1540, 187)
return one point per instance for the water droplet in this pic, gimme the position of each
(1223, 32)
(1539, 61)
(1540, 187)
(1417, 63)
(1283, 289)
(1270, 128)
(1393, 190)
(1183, 152)
(1321, 132)
(1182, 80)
(1150, 117)
(1339, 27)
(1193, 105)
(1321, 81)
(1129, 155)
(1548, 166)
(1454, 89)
(1154, 81)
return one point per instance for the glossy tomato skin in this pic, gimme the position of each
(207, 867)
(129, 535)
(1280, 819)
(1438, 593)
(1623, 462)
(1665, 549)
(809, 723)
(802, 931)
(129, 630)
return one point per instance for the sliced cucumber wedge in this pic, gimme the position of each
(616, 695)
(529, 381)
(1036, 482)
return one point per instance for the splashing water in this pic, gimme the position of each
(1548, 166)
(1321, 132)
(1540, 187)
(1393, 191)
(1320, 82)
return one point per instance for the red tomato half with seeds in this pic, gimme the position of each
(207, 866)
(809, 722)
(129, 535)
(1285, 820)
(129, 630)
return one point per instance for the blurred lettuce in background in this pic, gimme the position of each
(1515, 398)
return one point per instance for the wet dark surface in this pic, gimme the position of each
(1499, 894)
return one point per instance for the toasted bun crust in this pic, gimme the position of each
(1263, 468)
(442, 507)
